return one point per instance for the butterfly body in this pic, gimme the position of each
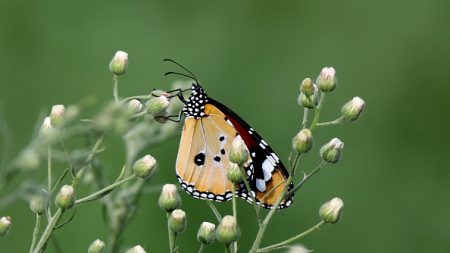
(209, 129)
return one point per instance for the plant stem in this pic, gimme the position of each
(102, 192)
(49, 169)
(249, 192)
(263, 226)
(288, 241)
(306, 177)
(228, 248)
(317, 111)
(305, 117)
(330, 123)
(116, 88)
(48, 231)
(214, 210)
(35, 231)
(202, 247)
(171, 234)
(234, 201)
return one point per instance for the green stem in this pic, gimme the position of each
(234, 202)
(249, 192)
(116, 88)
(202, 247)
(49, 169)
(48, 231)
(136, 97)
(288, 241)
(102, 192)
(263, 226)
(215, 211)
(35, 232)
(228, 248)
(306, 178)
(330, 123)
(305, 117)
(317, 111)
(171, 234)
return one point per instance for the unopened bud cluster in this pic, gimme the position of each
(169, 199)
(144, 167)
(234, 173)
(353, 109)
(177, 221)
(330, 211)
(65, 198)
(119, 63)
(135, 106)
(303, 141)
(38, 203)
(5, 225)
(97, 246)
(156, 106)
(332, 151)
(136, 249)
(228, 230)
(309, 94)
(238, 152)
(206, 233)
(327, 81)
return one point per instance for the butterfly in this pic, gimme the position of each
(208, 132)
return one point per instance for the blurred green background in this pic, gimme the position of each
(251, 55)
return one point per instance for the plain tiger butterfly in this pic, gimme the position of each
(208, 131)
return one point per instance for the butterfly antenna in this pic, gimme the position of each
(183, 67)
(180, 74)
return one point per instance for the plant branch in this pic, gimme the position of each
(48, 231)
(317, 111)
(35, 232)
(330, 123)
(104, 191)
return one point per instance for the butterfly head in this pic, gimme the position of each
(194, 106)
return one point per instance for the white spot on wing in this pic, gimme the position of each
(260, 185)
(262, 145)
(267, 169)
(275, 156)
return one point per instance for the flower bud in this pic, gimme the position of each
(37, 203)
(307, 87)
(169, 199)
(56, 115)
(332, 151)
(135, 106)
(326, 81)
(97, 246)
(65, 198)
(177, 221)
(353, 109)
(303, 141)
(119, 63)
(136, 249)
(331, 210)
(298, 248)
(157, 105)
(238, 152)
(311, 101)
(47, 129)
(5, 225)
(234, 173)
(206, 233)
(144, 166)
(228, 230)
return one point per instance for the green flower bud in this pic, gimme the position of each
(56, 115)
(47, 130)
(228, 230)
(177, 221)
(97, 246)
(303, 141)
(330, 212)
(298, 248)
(332, 151)
(145, 166)
(238, 152)
(159, 93)
(353, 109)
(5, 225)
(311, 101)
(169, 199)
(135, 106)
(119, 63)
(37, 203)
(157, 105)
(307, 87)
(234, 173)
(206, 233)
(28, 160)
(326, 81)
(136, 249)
(65, 198)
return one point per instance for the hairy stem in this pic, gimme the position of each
(202, 247)
(171, 234)
(116, 88)
(35, 232)
(48, 231)
(317, 111)
(306, 178)
(292, 239)
(305, 117)
(214, 210)
(330, 123)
